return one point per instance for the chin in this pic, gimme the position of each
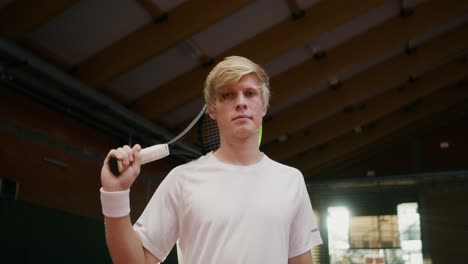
(244, 132)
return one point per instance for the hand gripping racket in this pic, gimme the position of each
(207, 137)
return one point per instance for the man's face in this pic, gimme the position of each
(239, 111)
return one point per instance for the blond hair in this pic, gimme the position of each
(228, 72)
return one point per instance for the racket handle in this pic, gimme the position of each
(147, 155)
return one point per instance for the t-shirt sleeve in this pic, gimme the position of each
(158, 225)
(304, 232)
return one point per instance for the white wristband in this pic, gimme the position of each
(115, 204)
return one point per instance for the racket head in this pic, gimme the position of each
(208, 137)
(208, 134)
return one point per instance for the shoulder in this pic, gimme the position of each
(283, 173)
(194, 163)
(177, 177)
(289, 178)
(281, 168)
(189, 167)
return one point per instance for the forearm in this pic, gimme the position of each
(123, 242)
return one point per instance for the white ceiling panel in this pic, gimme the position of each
(349, 73)
(288, 102)
(89, 26)
(440, 29)
(153, 73)
(357, 26)
(186, 112)
(241, 26)
(287, 60)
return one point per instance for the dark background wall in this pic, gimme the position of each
(37, 234)
(55, 161)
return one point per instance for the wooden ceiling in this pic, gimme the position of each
(345, 75)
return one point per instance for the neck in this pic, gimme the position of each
(239, 152)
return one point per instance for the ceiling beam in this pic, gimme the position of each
(375, 108)
(432, 104)
(362, 153)
(21, 17)
(319, 19)
(363, 85)
(150, 40)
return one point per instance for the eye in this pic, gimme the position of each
(251, 93)
(227, 95)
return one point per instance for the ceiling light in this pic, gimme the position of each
(358, 130)
(444, 145)
(283, 138)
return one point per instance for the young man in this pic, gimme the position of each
(233, 205)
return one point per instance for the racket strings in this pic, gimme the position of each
(209, 134)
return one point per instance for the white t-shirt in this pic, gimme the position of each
(224, 213)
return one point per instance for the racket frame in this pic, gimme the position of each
(157, 151)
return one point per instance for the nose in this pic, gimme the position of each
(241, 102)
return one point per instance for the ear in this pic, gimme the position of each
(265, 108)
(212, 112)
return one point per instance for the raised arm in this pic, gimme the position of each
(123, 242)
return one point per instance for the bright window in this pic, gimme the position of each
(389, 239)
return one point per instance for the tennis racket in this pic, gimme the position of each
(207, 137)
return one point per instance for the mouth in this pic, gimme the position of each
(239, 117)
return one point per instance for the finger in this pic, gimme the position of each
(127, 149)
(121, 155)
(136, 153)
(137, 147)
(135, 166)
(129, 152)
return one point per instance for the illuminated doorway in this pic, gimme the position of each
(389, 239)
